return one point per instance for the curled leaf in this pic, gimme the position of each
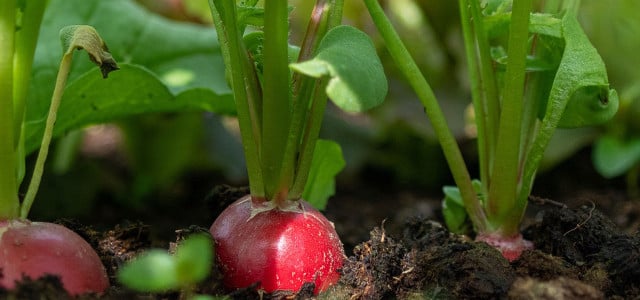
(86, 37)
(580, 94)
(590, 105)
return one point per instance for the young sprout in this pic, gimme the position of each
(158, 271)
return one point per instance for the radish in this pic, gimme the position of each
(279, 249)
(34, 249)
(511, 247)
(272, 237)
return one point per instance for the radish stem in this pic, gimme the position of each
(74, 37)
(506, 172)
(452, 153)
(8, 158)
(61, 81)
(276, 114)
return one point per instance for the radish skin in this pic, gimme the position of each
(511, 247)
(38, 248)
(280, 249)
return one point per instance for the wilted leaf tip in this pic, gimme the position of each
(87, 38)
(108, 65)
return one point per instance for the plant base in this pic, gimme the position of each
(511, 247)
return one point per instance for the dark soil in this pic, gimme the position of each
(587, 247)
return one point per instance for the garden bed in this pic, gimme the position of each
(587, 244)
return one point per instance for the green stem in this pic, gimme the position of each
(452, 153)
(325, 15)
(61, 81)
(478, 94)
(244, 84)
(9, 202)
(276, 99)
(504, 183)
(25, 47)
(489, 86)
(311, 136)
(546, 127)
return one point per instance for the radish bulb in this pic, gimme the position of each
(34, 249)
(281, 249)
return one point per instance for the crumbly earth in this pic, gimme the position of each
(580, 254)
(587, 246)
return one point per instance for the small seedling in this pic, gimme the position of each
(617, 151)
(38, 248)
(158, 271)
(566, 86)
(273, 237)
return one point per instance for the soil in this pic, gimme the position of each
(587, 245)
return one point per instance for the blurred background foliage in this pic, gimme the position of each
(164, 157)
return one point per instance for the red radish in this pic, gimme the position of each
(38, 248)
(280, 249)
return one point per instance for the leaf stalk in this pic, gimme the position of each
(9, 202)
(452, 153)
(504, 183)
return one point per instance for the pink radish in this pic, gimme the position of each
(34, 249)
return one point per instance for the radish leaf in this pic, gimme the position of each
(348, 56)
(193, 259)
(158, 271)
(178, 57)
(132, 90)
(154, 271)
(327, 162)
(613, 156)
(453, 211)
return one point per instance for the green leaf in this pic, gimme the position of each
(154, 271)
(453, 210)
(491, 7)
(327, 162)
(580, 92)
(533, 63)
(177, 58)
(613, 156)
(590, 105)
(134, 36)
(194, 258)
(130, 91)
(158, 271)
(349, 57)
(498, 25)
